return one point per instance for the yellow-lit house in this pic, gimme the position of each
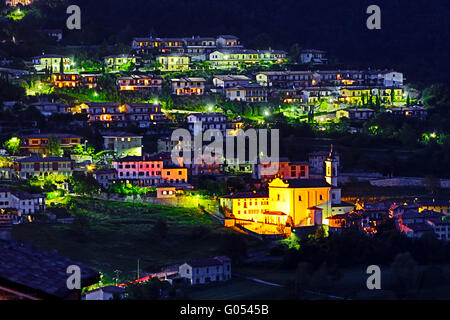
(52, 63)
(355, 95)
(232, 58)
(115, 62)
(441, 206)
(386, 94)
(174, 62)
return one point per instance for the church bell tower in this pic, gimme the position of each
(331, 169)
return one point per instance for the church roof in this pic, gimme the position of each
(308, 183)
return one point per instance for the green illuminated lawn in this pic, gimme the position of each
(16, 15)
(117, 234)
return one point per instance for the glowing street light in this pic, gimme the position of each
(266, 113)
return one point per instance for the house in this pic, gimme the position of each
(230, 80)
(14, 3)
(414, 224)
(106, 293)
(316, 94)
(174, 62)
(200, 47)
(63, 80)
(205, 121)
(166, 144)
(38, 143)
(105, 176)
(204, 271)
(27, 204)
(48, 108)
(145, 171)
(123, 144)
(30, 273)
(247, 206)
(174, 175)
(441, 229)
(139, 83)
(355, 95)
(188, 86)
(166, 192)
(285, 79)
(355, 114)
(89, 81)
(228, 41)
(232, 58)
(149, 171)
(195, 46)
(251, 92)
(39, 166)
(142, 115)
(341, 77)
(164, 45)
(313, 57)
(20, 206)
(413, 112)
(387, 78)
(52, 63)
(274, 56)
(317, 160)
(115, 62)
(441, 206)
(286, 170)
(5, 198)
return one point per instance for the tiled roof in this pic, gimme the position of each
(38, 272)
(308, 183)
(247, 195)
(38, 158)
(105, 171)
(122, 135)
(207, 262)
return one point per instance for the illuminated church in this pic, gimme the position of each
(290, 202)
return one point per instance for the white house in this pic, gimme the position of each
(387, 78)
(106, 293)
(251, 92)
(204, 271)
(231, 80)
(188, 86)
(312, 56)
(205, 121)
(26, 203)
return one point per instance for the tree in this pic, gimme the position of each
(54, 147)
(84, 184)
(61, 65)
(12, 145)
(154, 289)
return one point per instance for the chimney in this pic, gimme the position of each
(5, 229)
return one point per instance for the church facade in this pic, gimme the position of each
(289, 202)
